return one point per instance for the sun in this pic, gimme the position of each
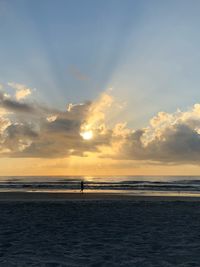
(87, 135)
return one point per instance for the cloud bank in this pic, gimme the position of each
(172, 138)
(28, 129)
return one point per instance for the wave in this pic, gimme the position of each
(114, 183)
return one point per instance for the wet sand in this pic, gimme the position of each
(58, 196)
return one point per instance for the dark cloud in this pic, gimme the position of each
(63, 125)
(178, 144)
(15, 106)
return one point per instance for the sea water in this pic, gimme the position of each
(139, 185)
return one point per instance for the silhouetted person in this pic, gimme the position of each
(82, 186)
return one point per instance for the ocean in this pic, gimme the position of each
(134, 185)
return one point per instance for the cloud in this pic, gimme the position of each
(22, 91)
(13, 105)
(96, 114)
(34, 130)
(171, 138)
(4, 123)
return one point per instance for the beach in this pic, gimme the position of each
(54, 229)
(63, 196)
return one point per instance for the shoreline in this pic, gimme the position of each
(48, 196)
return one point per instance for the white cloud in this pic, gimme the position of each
(51, 118)
(4, 123)
(22, 91)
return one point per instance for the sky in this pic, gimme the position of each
(99, 87)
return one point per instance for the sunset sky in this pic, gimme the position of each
(99, 87)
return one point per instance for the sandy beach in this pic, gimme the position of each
(112, 232)
(98, 229)
(60, 196)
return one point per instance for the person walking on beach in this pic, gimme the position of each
(82, 186)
